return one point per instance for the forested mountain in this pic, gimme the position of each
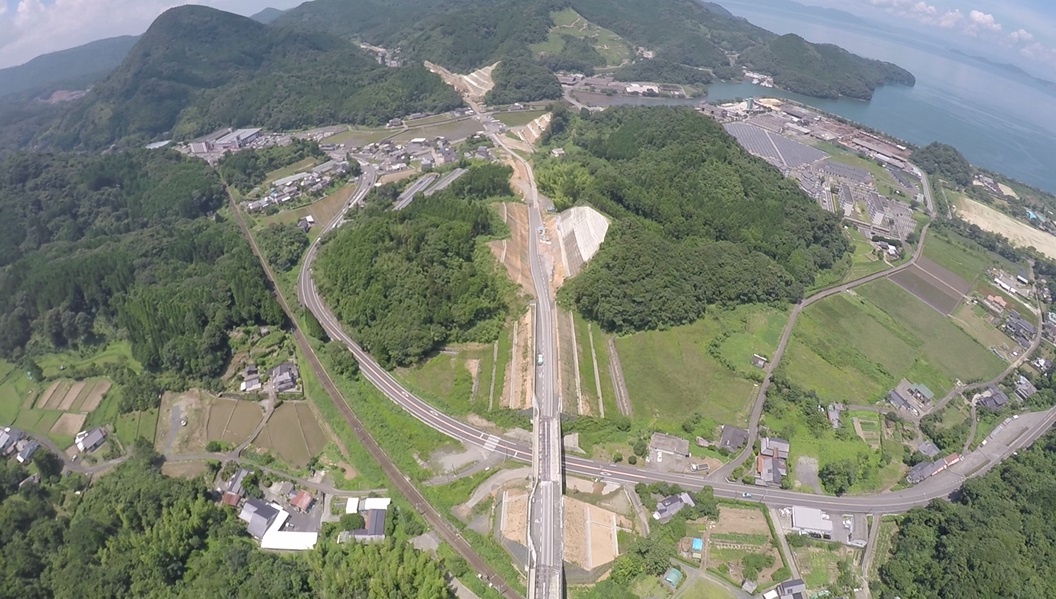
(117, 243)
(698, 220)
(267, 15)
(137, 533)
(692, 41)
(75, 67)
(822, 70)
(406, 283)
(996, 539)
(198, 68)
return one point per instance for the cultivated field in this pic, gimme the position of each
(927, 289)
(567, 22)
(359, 136)
(739, 532)
(818, 566)
(518, 118)
(293, 434)
(232, 421)
(1018, 232)
(854, 347)
(671, 374)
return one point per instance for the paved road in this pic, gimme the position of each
(760, 398)
(400, 482)
(939, 486)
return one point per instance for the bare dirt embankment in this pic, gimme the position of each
(1019, 233)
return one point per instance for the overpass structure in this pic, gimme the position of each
(545, 539)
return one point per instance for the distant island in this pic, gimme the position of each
(1008, 68)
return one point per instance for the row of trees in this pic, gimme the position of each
(409, 282)
(137, 533)
(698, 220)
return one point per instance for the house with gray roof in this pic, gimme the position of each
(732, 438)
(258, 517)
(28, 449)
(8, 437)
(88, 441)
(669, 506)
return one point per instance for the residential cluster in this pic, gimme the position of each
(771, 465)
(283, 378)
(287, 518)
(298, 186)
(14, 442)
(912, 397)
(429, 153)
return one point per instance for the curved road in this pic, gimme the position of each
(938, 486)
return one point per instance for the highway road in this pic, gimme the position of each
(546, 521)
(939, 486)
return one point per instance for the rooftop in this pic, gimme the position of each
(669, 443)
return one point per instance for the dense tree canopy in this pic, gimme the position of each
(698, 220)
(996, 539)
(522, 81)
(282, 245)
(943, 161)
(408, 282)
(137, 533)
(114, 239)
(822, 70)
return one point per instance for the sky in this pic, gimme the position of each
(1018, 31)
(29, 28)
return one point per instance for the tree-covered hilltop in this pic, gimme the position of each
(118, 246)
(945, 161)
(407, 283)
(522, 81)
(197, 68)
(690, 41)
(698, 220)
(137, 533)
(996, 539)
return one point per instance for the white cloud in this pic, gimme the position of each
(36, 27)
(1040, 53)
(951, 19)
(979, 20)
(1021, 35)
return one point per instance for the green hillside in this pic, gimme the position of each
(80, 66)
(822, 70)
(198, 68)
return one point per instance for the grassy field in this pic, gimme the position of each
(453, 131)
(359, 136)
(457, 381)
(854, 348)
(972, 318)
(129, 427)
(817, 565)
(961, 256)
(519, 118)
(703, 588)
(568, 22)
(117, 352)
(670, 374)
(884, 540)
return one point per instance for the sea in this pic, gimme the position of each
(999, 121)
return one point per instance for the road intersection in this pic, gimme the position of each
(545, 531)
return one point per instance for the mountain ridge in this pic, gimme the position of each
(79, 66)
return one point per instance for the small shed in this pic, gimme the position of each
(673, 577)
